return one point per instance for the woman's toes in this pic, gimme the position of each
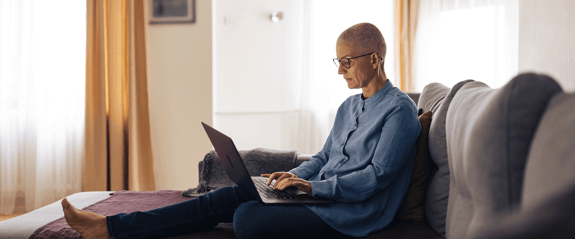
(88, 224)
(65, 203)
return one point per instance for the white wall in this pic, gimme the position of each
(546, 45)
(180, 97)
(257, 61)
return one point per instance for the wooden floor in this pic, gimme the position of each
(6, 217)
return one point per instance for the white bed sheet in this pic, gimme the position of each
(23, 226)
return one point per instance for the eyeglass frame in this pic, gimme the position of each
(336, 60)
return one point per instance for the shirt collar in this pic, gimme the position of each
(379, 94)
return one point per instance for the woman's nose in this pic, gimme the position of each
(340, 69)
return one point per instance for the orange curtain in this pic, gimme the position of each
(405, 25)
(118, 152)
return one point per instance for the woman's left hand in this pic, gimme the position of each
(294, 182)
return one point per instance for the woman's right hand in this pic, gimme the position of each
(278, 176)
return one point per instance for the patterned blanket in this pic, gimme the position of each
(258, 161)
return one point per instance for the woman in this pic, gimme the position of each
(365, 166)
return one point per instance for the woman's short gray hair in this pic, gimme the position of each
(365, 38)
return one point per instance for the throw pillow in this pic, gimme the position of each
(411, 207)
(432, 96)
(438, 192)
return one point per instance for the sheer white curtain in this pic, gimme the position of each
(466, 39)
(42, 92)
(323, 90)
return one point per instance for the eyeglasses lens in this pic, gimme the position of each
(344, 62)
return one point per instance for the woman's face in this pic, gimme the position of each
(361, 71)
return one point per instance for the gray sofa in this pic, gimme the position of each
(503, 162)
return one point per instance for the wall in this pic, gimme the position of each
(546, 33)
(255, 94)
(180, 96)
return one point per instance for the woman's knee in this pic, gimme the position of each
(226, 195)
(246, 220)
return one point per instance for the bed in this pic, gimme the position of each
(25, 225)
(49, 222)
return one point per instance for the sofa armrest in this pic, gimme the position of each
(301, 158)
(257, 161)
(200, 167)
(414, 97)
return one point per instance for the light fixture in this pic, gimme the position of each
(276, 17)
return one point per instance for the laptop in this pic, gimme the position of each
(254, 186)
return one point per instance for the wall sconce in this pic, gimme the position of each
(276, 17)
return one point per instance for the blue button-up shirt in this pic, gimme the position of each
(366, 162)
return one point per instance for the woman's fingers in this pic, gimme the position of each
(273, 176)
(279, 177)
(281, 180)
(294, 182)
(281, 185)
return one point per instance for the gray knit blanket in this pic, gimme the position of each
(258, 161)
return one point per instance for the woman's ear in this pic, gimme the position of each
(374, 60)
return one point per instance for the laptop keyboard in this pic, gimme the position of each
(268, 191)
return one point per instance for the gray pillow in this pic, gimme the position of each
(438, 190)
(489, 132)
(432, 96)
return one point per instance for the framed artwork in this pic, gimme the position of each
(172, 11)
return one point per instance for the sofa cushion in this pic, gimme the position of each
(411, 207)
(438, 190)
(405, 229)
(397, 229)
(488, 136)
(551, 160)
(432, 96)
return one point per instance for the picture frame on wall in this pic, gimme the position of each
(172, 11)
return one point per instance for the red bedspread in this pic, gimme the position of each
(124, 202)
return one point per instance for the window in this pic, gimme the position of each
(42, 89)
(457, 40)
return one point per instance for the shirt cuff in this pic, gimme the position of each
(321, 188)
(299, 172)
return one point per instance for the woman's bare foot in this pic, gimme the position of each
(90, 225)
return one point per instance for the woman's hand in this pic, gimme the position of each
(285, 179)
(279, 176)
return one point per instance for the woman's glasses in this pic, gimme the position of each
(346, 61)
